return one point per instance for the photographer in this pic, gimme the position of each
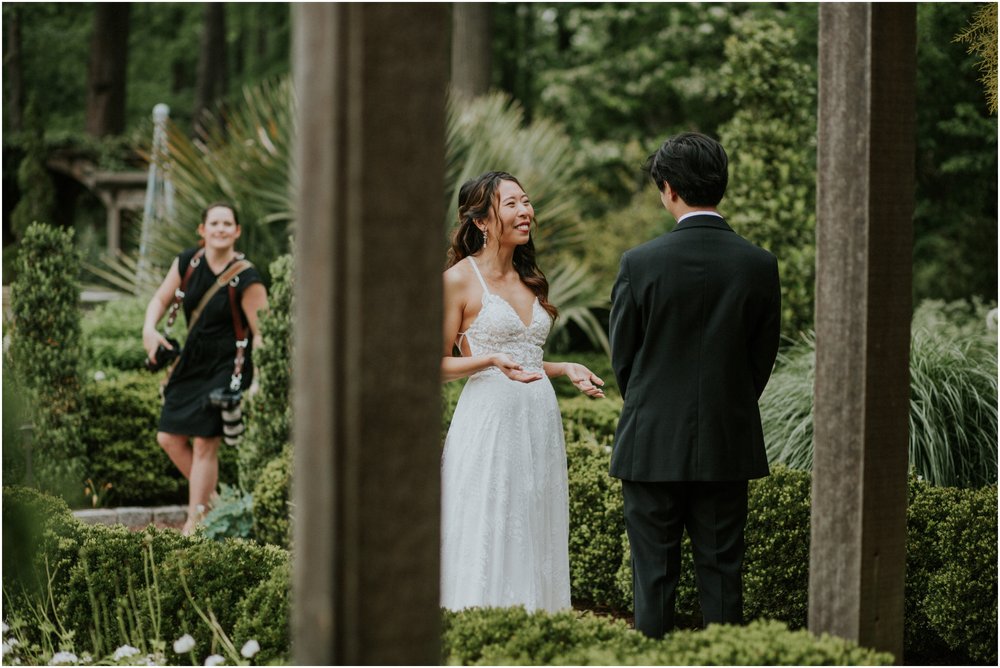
(207, 379)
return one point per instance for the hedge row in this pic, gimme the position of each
(951, 581)
(511, 636)
(107, 586)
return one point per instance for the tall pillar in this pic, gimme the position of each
(370, 85)
(867, 119)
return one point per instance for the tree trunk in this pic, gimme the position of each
(211, 82)
(471, 48)
(14, 72)
(107, 68)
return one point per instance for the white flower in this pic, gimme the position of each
(124, 651)
(4, 627)
(214, 660)
(5, 649)
(99, 375)
(250, 648)
(184, 644)
(63, 658)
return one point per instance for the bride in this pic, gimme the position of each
(505, 507)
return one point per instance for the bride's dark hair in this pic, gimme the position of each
(476, 198)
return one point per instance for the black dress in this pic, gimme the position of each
(206, 361)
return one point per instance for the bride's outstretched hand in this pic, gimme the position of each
(513, 370)
(585, 380)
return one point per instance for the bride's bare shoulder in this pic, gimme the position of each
(458, 276)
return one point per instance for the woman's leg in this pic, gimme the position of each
(178, 449)
(203, 479)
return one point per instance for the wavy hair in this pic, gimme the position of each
(476, 199)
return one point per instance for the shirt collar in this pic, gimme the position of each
(698, 213)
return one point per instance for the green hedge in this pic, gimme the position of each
(511, 636)
(112, 334)
(271, 510)
(951, 547)
(102, 582)
(121, 449)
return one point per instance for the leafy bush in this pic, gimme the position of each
(511, 636)
(120, 441)
(951, 547)
(111, 586)
(112, 333)
(771, 140)
(45, 350)
(953, 406)
(951, 573)
(265, 615)
(41, 539)
(596, 522)
(231, 515)
(269, 411)
(271, 521)
(590, 420)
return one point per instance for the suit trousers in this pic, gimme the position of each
(714, 514)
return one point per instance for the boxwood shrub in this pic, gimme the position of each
(103, 582)
(271, 511)
(120, 440)
(951, 547)
(512, 636)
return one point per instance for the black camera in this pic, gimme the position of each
(232, 413)
(164, 355)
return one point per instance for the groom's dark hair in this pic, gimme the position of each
(695, 165)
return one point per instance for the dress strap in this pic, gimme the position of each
(475, 268)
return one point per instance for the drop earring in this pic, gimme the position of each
(485, 238)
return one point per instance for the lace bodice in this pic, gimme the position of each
(499, 329)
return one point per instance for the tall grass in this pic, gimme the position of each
(953, 406)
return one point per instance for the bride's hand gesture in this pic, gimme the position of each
(585, 380)
(513, 370)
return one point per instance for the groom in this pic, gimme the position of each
(694, 333)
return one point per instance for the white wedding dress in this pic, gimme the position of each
(505, 500)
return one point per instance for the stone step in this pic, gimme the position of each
(135, 517)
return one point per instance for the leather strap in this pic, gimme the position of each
(175, 306)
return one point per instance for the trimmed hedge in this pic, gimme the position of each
(512, 636)
(112, 335)
(102, 580)
(951, 547)
(121, 448)
(271, 510)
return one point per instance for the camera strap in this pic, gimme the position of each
(232, 278)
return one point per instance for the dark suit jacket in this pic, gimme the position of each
(695, 321)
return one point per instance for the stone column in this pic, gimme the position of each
(370, 87)
(867, 74)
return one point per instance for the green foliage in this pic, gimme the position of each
(112, 335)
(951, 547)
(512, 636)
(265, 615)
(38, 196)
(16, 424)
(40, 539)
(778, 524)
(111, 586)
(113, 569)
(269, 412)
(218, 575)
(955, 219)
(587, 420)
(231, 515)
(981, 36)
(46, 349)
(597, 523)
(271, 508)
(953, 405)
(120, 441)
(951, 572)
(771, 141)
